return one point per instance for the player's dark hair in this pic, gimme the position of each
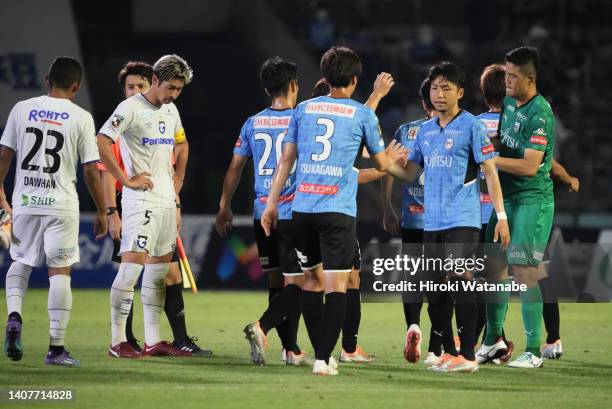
(493, 84)
(276, 74)
(140, 68)
(64, 73)
(339, 65)
(424, 94)
(449, 71)
(527, 58)
(321, 88)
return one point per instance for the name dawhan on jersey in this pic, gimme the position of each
(321, 169)
(38, 182)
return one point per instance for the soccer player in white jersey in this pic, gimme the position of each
(48, 135)
(146, 124)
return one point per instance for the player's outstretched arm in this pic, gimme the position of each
(396, 153)
(559, 174)
(141, 181)
(6, 157)
(407, 173)
(281, 174)
(382, 85)
(181, 155)
(91, 175)
(502, 230)
(528, 166)
(223, 222)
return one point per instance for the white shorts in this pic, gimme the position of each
(38, 236)
(148, 228)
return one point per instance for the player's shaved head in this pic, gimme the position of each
(339, 65)
(526, 58)
(424, 94)
(139, 68)
(321, 88)
(172, 67)
(276, 74)
(492, 85)
(64, 73)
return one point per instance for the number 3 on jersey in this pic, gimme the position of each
(278, 150)
(324, 139)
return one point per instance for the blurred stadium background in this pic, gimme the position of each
(225, 41)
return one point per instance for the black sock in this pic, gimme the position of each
(435, 343)
(352, 319)
(278, 312)
(312, 311)
(55, 349)
(293, 321)
(412, 313)
(481, 317)
(175, 311)
(333, 318)
(15, 316)
(440, 313)
(281, 329)
(466, 311)
(550, 310)
(129, 335)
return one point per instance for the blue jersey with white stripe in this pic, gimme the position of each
(413, 205)
(450, 157)
(261, 138)
(329, 133)
(491, 121)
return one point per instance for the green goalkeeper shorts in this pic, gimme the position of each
(530, 226)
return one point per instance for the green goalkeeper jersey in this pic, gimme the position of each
(530, 126)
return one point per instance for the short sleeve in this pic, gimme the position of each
(118, 122)
(291, 136)
(371, 133)
(9, 136)
(243, 147)
(482, 147)
(540, 129)
(416, 155)
(87, 146)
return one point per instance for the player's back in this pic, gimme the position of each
(262, 138)
(329, 133)
(48, 135)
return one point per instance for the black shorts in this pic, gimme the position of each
(277, 252)
(325, 238)
(357, 256)
(117, 243)
(454, 243)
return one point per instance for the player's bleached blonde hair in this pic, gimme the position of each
(170, 67)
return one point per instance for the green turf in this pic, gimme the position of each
(581, 379)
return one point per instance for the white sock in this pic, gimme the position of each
(59, 307)
(16, 284)
(153, 294)
(121, 296)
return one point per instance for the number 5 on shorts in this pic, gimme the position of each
(147, 217)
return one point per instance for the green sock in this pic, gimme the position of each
(531, 307)
(496, 315)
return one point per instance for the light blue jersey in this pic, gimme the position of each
(450, 157)
(261, 138)
(491, 121)
(329, 133)
(413, 205)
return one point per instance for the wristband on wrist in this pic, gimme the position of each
(179, 206)
(110, 210)
(502, 216)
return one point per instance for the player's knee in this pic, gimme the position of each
(354, 280)
(174, 275)
(296, 279)
(311, 283)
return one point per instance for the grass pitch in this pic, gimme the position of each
(581, 379)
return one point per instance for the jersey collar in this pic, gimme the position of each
(449, 122)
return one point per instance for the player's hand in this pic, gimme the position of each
(114, 226)
(4, 204)
(100, 225)
(390, 221)
(178, 183)
(223, 222)
(502, 231)
(574, 185)
(269, 219)
(397, 153)
(383, 84)
(179, 219)
(142, 181)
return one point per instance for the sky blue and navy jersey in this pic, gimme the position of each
(491, 121)
(329, 133)
(262, 138)
(413, 205)
(450, 157)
